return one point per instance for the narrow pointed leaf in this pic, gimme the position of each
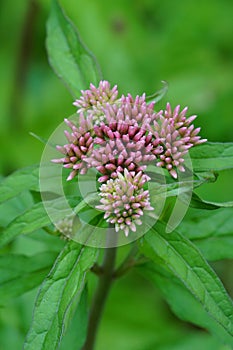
(212, 156)
(185, 261)
(62, 287)
(15, 207)
(68, 56)
(216, 248)
(21, 273)
(35, 218)
(212, 232)
(180, 299)
(215, 223)
(199, 203)
(77, 331)
(19, 181)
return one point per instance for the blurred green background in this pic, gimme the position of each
(138, 43)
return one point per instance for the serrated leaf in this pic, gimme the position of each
(28, 179)
(61, 288)
(185, 262)
(181, 301)
(76, 332)
(161, 182)
(199, 203)
(21, 273)
(19, 181)
(34, 218)
(180, 188)
(211, 231)
(14, 207)
(212, 156)
(202, 224)
(216, 248)
(68, 56)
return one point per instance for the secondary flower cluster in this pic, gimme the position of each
(124, 200)
(120, 137)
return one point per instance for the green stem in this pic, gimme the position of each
(104, 284)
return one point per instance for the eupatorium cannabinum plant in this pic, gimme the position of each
(127, 176)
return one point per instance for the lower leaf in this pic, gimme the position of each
(184, 261)
(20, 273)
(62, 287)
(179, 298)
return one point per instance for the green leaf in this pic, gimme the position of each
(34, 218)
(90, 200)
(76, 333)
(211, 231)
(163, 184)
(181, 301)
(62, 287)
(28, 179)
(216, 248)
(212, 156)
(21, 273)
(23, 179)
(185, 262)
(197, 202)
(158, 95)
(14, 207)
(68, 56)
(200, 224)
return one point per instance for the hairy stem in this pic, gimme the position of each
(104, 284)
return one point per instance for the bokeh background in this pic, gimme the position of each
(138, 43)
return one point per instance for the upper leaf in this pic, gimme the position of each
(68, 56)
(211, 232)
(199, 203)
(14, 207)
(17, 182)
(62, 287)
(36, 217)
(212, 156)
(185, 262)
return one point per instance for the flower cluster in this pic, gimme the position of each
(120, 137)
(79, 146)
(93, 100)
(124, 200)
(176, 135)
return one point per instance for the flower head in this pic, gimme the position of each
(176, 135)
(79, 146)
(124, 201)
(93, 100)
(120, 146)
(123, 141)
